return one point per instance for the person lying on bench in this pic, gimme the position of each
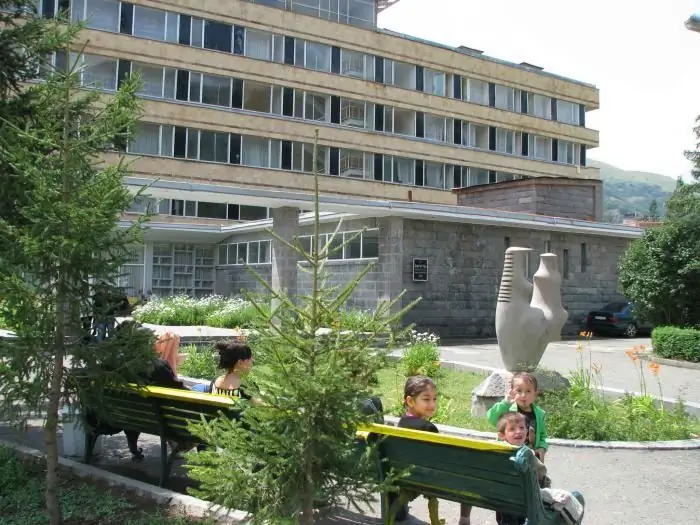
(513, 429)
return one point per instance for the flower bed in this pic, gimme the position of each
(216, 311)
(220, 312)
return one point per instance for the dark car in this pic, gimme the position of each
(616, 319)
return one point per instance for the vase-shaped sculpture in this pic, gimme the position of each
(528, 316)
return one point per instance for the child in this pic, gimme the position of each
(521, 398)
(513, 429)
(420, 402)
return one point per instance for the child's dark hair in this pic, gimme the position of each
(510, 417)
(526, 377)
(232, 352)
(416, 385)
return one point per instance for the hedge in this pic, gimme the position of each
(676, 343)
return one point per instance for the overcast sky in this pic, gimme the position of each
(639, 54)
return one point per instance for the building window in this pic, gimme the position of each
(539, 105)
(505, 141)
(217, 36)
(434, 82)
(356, 64)
(353, 113)
(584, 257)
(567, 112)
(257, 96)
(568, 153)
(251, 252)
(149, 23)
(211, 210)
(399, 74)
(258, 44)
(347, 245)
(98, 72)
(540, 147)
(435, 127)
(507, 98)
(477, 91)
(478, 136)
(216, 90)
(565, 264)
(317, 107)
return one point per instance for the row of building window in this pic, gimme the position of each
(156, 24)
(262, 152)
(188, 86)
(352, 245)
(201, 209)
(240, 253)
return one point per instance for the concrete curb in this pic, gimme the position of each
(191, 506)
(687, 444)
(671, 362)
(692, 407)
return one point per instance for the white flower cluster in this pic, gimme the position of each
(424, 337)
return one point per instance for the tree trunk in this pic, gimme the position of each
(50, 431)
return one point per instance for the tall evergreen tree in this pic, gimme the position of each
(60, 208)
(297, 449)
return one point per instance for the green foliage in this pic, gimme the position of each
(676, 343)
(659, 274)
(296, 449)
(22, 499)
(422, 356)
(59, 213)
(694, 155)
(199, 363)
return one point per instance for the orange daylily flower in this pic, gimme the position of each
(585, 334)
(655, 368)
(633, 354)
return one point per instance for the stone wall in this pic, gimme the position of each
(465, 263)
(570, 198)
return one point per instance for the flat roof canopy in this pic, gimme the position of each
(385, 4)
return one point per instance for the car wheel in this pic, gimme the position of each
(631, 330)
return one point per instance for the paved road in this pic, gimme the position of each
(618, 370)
(620, 486)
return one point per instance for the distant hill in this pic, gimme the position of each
(631, 192)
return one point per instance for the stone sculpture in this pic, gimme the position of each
(528, 316)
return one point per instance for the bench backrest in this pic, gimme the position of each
(163, 411)
(481, 473)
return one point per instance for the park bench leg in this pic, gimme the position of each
(390, 511)
(90, 440)
(167, 466)
(163, 462)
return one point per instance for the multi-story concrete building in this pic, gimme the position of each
(445, 154)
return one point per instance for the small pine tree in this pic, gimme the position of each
(653, 213)
(61, 235)
(296, 450)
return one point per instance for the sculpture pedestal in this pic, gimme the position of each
(494, 388)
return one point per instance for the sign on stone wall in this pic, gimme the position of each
(420, 269)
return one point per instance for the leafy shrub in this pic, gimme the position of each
(676, 343)
(355, 319)
(199, 363)
(422, 356)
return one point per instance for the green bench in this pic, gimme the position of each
(484, 474)
(163, 412)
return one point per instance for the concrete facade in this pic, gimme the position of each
(465, 264)
(574, 199)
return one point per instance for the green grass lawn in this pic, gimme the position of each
(82, 502)
(454, 397)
